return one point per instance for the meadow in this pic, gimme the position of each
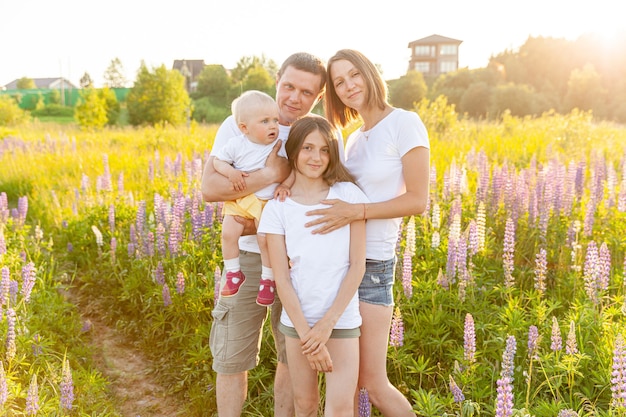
(510, 288)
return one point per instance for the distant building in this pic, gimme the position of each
(190, 68)
(434, 55)
(57, 83)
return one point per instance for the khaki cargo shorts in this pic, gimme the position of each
(237, 326)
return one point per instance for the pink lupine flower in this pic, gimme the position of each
(557, 341)
(618, 376)
(541, 267)
(508, 254)
(112, 218)
(407, 273)
(410, 236)
(3, 244)
(10, 340)
(571, 347)
(396, 337)
(4, 389)
(180, 283)
(469, 339)
(28, 280)
(481, 222)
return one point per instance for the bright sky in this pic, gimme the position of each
(43, 38)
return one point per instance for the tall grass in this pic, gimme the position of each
(506, 243)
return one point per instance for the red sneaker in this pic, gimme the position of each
(267, 289)
(234, 280)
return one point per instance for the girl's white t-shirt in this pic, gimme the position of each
(375, 159)
(319, 262)
(229, 129)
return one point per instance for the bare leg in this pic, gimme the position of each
(231, 231)
(283, 393)
(304, 382)
(231, 391)
(373, 365)
(342, 381)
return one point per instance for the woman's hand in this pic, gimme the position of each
(334, 217)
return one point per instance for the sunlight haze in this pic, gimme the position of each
(69, 37)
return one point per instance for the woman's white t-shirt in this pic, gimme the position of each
(319, 262)
(375, 159)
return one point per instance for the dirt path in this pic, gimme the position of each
(137, 393)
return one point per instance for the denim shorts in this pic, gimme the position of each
(377, 284)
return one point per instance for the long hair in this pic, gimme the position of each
(338, 113)
(300, 129)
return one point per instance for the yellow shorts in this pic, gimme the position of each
(249, 207)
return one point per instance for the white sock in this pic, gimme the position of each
(267, 273)
(232, 265)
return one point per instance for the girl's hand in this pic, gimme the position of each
(321, 362)
(334, 217)
(315, 339)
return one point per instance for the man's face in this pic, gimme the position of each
(297, 92)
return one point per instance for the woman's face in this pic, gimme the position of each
(348, 83)
(314, 155)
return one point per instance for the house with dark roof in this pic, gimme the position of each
(56, 83)
(434, 55)
(191, 69)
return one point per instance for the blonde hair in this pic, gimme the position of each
(247, 102)
(300, 129)
(338, 113)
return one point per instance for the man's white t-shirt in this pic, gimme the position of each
(376, 162)
(319, 262)
(229, 129)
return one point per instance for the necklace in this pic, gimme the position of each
(366, 134)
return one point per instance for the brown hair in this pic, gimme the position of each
(300, 129)
(338, 113)
(304, 61)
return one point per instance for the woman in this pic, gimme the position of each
(317, 276)
(389, 156)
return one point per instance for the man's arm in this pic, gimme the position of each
(216, 187)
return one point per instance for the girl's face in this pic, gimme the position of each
(314, 156)
(348, 83)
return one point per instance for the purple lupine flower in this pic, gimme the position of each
(541, 268)
(105, 182)
(407, 273)
(590, 211)
(365, 407)
(160, 240)
(618, 375)
(457, 394)
(604, 267)
(22, 209)
(533, 341)
(4, 207)
(396, 337)
(67, 386)
(180, 283)
(112, 218)
(472, 238)
(504, 400)
(70, 247)
(571, 347)
(167, 298)
(159, 274)
(140, 219)
(149, 246)
(10, 340)
(508, 255)
(557, 341)
(209, 211)
(3, 244)
(4, 388)
(4, 286)
(13, 289)
(32, 399)
(174, 240)
(461, 260)
(454, 235)
(567, 412)
(217, 279)
(469, 339)
(590, 274)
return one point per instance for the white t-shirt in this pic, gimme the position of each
(247, 156)
(319, 262)
(377, 165)
(229, 129)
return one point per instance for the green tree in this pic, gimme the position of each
(258, 78)
(519, 99)
(214, 83)
(246, 63)
(407, 90)
(54, 97)
(114, 74)
(112, 105)
(26, 83)
(158, 96)
(10, 112)
(91, 110)
(86, 81)
(584, 90)
(475, 100)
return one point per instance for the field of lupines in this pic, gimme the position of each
(510, 293)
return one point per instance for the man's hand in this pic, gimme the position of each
(277, 166)
(249, 228)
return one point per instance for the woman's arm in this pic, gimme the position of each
(317, 337)
(416, 171)
(216, 187)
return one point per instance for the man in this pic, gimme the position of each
(238, 320)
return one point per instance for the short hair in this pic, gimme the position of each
(338, 113)
(305, 61)
(300, 129)
(249, 100)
